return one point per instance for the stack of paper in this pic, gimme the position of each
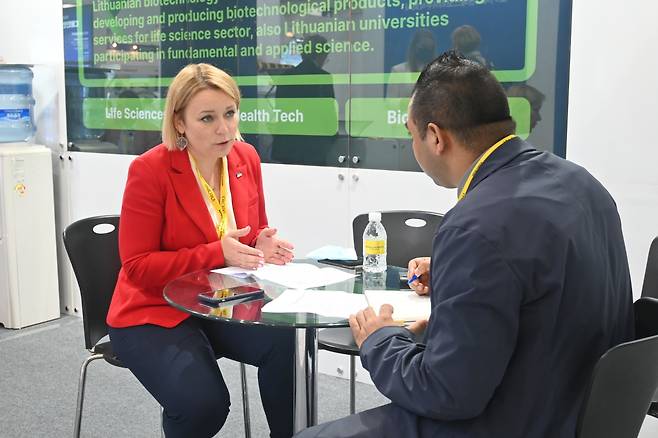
(407, 306)
(321, 302)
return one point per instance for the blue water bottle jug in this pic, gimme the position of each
(16, 103)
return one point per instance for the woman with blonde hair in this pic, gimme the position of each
(196, 202)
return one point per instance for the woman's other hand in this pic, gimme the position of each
(276, 251)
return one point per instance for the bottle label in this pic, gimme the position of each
(14, 115)
(375, 247)
(24, 89)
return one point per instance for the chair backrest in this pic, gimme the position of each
(646, 317)
(650, 284)
(92, 245)
(409, 234)
(624, 381)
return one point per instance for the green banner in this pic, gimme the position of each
(386, 118)
(123, 113)
(377, 117)
(289, 116)
(369, 117)
(317, 116)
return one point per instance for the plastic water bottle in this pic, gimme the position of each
(374, 244)
(16, 103)
(374, 281)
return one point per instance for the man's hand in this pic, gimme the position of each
(420, 267)
(365, 322)
(417, 327)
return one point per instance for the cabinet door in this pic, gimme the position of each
(379, 190)
(308, 205)
(29, 245)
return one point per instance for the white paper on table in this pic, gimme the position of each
(301, 275)
(332, 303)
(234, 271)
(407, 305)
(292, 275)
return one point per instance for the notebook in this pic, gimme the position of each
(407, 305)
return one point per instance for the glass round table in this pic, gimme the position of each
(183, 293)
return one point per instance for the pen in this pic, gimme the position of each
(412, 279)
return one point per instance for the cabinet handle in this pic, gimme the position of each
(341, 159)
(356, 159)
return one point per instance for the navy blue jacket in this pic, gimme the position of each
(529, 287)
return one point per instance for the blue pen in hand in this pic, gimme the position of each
(412, 279)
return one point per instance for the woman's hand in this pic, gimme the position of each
(420, 267)
(238, 254)
(275, 250)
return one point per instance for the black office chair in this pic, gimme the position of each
(624, 381)
(650, 284)
(646, 320)
(92, 245)
(409, 234)
(650, 289)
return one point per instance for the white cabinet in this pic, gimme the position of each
(29, 291)
(314, 206)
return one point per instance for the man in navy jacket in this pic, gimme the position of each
(528, 280)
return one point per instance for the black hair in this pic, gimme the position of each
(463, 97)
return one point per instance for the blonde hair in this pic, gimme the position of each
(187, 83)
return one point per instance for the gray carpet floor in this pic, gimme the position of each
(39, 370)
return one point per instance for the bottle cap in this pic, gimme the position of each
(375, 216)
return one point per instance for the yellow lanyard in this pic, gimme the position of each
(218, 205)
(482, 159)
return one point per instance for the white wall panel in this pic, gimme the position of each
(612, 118)
(612, 113)
(313, 206)
(96, 183)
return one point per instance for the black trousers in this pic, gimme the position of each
(178, 366)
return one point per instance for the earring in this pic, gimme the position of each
(181, 142)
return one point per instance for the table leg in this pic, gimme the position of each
(306, 372)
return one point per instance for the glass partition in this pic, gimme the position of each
(324, 82)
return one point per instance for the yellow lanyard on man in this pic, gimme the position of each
(218, 203)
(482, 159)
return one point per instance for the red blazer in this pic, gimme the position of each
(166, 230)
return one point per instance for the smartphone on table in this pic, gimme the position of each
(231, 295)
(349, 264)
